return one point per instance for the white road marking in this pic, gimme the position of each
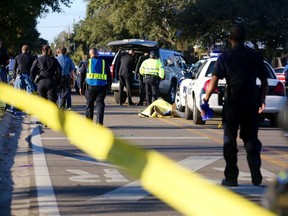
(111, 175)
(91, 160)
(83, 176)
(245, 189)
(45, 194)
(138, 138)
(133, 191)
(246, 176)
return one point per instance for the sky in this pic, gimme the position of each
(53, 23)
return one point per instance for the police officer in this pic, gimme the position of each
(140, 78)
(95, 78)
(240, 66)
(48, 70)
(152, 70)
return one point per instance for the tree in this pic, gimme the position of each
(208, 22)
(108, 20)
(18, 20)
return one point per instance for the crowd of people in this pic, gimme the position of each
(52, 76)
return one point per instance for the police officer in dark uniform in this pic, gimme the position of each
(140, 78)
(95, 78)
(241, 66)
(48, 72)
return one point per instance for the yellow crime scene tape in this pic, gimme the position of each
(185, 191)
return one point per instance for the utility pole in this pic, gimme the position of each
(68, 38)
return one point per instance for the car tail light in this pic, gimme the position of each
(279, 89)
(112, 70)
(206, 84)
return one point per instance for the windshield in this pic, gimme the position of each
(210, 69)
(270, 72)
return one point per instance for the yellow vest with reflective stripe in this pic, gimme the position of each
(152, 67)
(96, 75)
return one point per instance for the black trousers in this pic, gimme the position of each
(47, 88)
(95, 94)
(141, 89)
(65, 92)
(125, 82)
(247, 118)
(152, 88)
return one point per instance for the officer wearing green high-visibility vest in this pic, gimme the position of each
(152, 71)
(95, 80)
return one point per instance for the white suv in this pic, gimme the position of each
(172, 61)
(196, 91)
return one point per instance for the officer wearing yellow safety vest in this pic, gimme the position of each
(95, 79)
(152, 70)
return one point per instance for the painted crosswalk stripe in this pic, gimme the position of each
(133, 191)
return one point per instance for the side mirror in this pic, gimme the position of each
(193, 75)
(183, 72)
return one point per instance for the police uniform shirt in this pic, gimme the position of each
(240, 66)
(45, 66)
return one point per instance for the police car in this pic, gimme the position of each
(188, 76)
(196, 91)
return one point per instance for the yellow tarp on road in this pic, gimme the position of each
(161, 109)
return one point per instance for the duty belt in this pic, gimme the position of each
(149, 76)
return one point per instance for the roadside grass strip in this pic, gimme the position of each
(185, 191)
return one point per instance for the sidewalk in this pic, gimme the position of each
(15, 169)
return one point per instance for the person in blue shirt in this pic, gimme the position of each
(68, 76)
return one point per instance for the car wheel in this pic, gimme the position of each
(197, 118)
(117, 97)
(178, 101)
(170, 97)
(188, 112)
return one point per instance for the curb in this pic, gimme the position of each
(14, 172)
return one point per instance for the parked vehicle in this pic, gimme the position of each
(188, 76)
(280, 74)
(173, 62)
(196, 91)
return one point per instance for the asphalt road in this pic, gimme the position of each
(46, 175)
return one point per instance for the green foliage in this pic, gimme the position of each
(18, 21)
(208, 21)
(108, 20)
(201, 22)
